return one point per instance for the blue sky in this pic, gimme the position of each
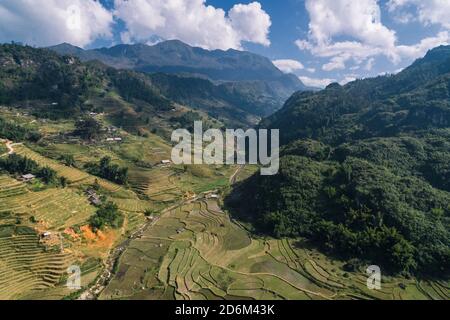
(319, 40)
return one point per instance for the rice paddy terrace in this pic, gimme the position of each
(34, 267)
(196, 252)
(192, 251)
(25, 264)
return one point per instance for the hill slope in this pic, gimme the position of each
(247, 71)
(365, 170)
(54, 86)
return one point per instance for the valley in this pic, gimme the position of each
(86, 180)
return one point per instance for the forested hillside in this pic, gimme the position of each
(250, 81)
(365, 170)
(60, 86)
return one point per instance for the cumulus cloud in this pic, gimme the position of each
(288, 65)
(361, 34)
(49, 22)
(194, 22)
(251, 22)
(428, 12)
(419, 49)
(358, 20)
(316, 82)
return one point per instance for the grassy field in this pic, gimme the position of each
(197, 252)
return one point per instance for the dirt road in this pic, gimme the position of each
(9, 145)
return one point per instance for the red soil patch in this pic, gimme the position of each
(88, 233)
(99, 239)
(70, 232)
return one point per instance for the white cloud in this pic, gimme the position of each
(428, 12)
(288, 65)
(194, 22)
(347, 30)
(358, 20)
(421, 48)
(316, 82)
(336, 63)
(50, 22)
(251, 22)
(369, 64)
(347, 79)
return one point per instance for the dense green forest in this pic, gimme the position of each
(62, 86)
(365, 170)
(105, 169)
(19, 165)
(59, 86)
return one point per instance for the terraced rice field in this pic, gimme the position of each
(25, 266)
(58, 208)
(196, 252)
(158, 184)
(73, 175)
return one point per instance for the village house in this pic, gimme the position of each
(93, 197)
(46, 235)
(117, 139)
(27, 177)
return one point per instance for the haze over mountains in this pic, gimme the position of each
(241, 72)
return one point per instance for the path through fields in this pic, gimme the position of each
(9, 145)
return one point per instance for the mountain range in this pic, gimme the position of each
(244, 73)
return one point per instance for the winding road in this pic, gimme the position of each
(9, 145)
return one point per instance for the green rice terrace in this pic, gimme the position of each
(196, 252)
(176, 241)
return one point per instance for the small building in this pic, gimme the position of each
(118, 139)
(166, 162)
(93, 197)
(95, 200)
(27, 177)
(91, 192)
(46, 235)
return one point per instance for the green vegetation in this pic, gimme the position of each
(196, 252)
(88, 128)
(105, 169)
(16, 164)
(108, 215)
(364, 170)
(16, 132)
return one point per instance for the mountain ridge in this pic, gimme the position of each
(364, 171)
(241, 68)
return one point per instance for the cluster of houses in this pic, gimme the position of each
(113, 130)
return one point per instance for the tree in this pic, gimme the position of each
(88, 128)
(107, 215)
